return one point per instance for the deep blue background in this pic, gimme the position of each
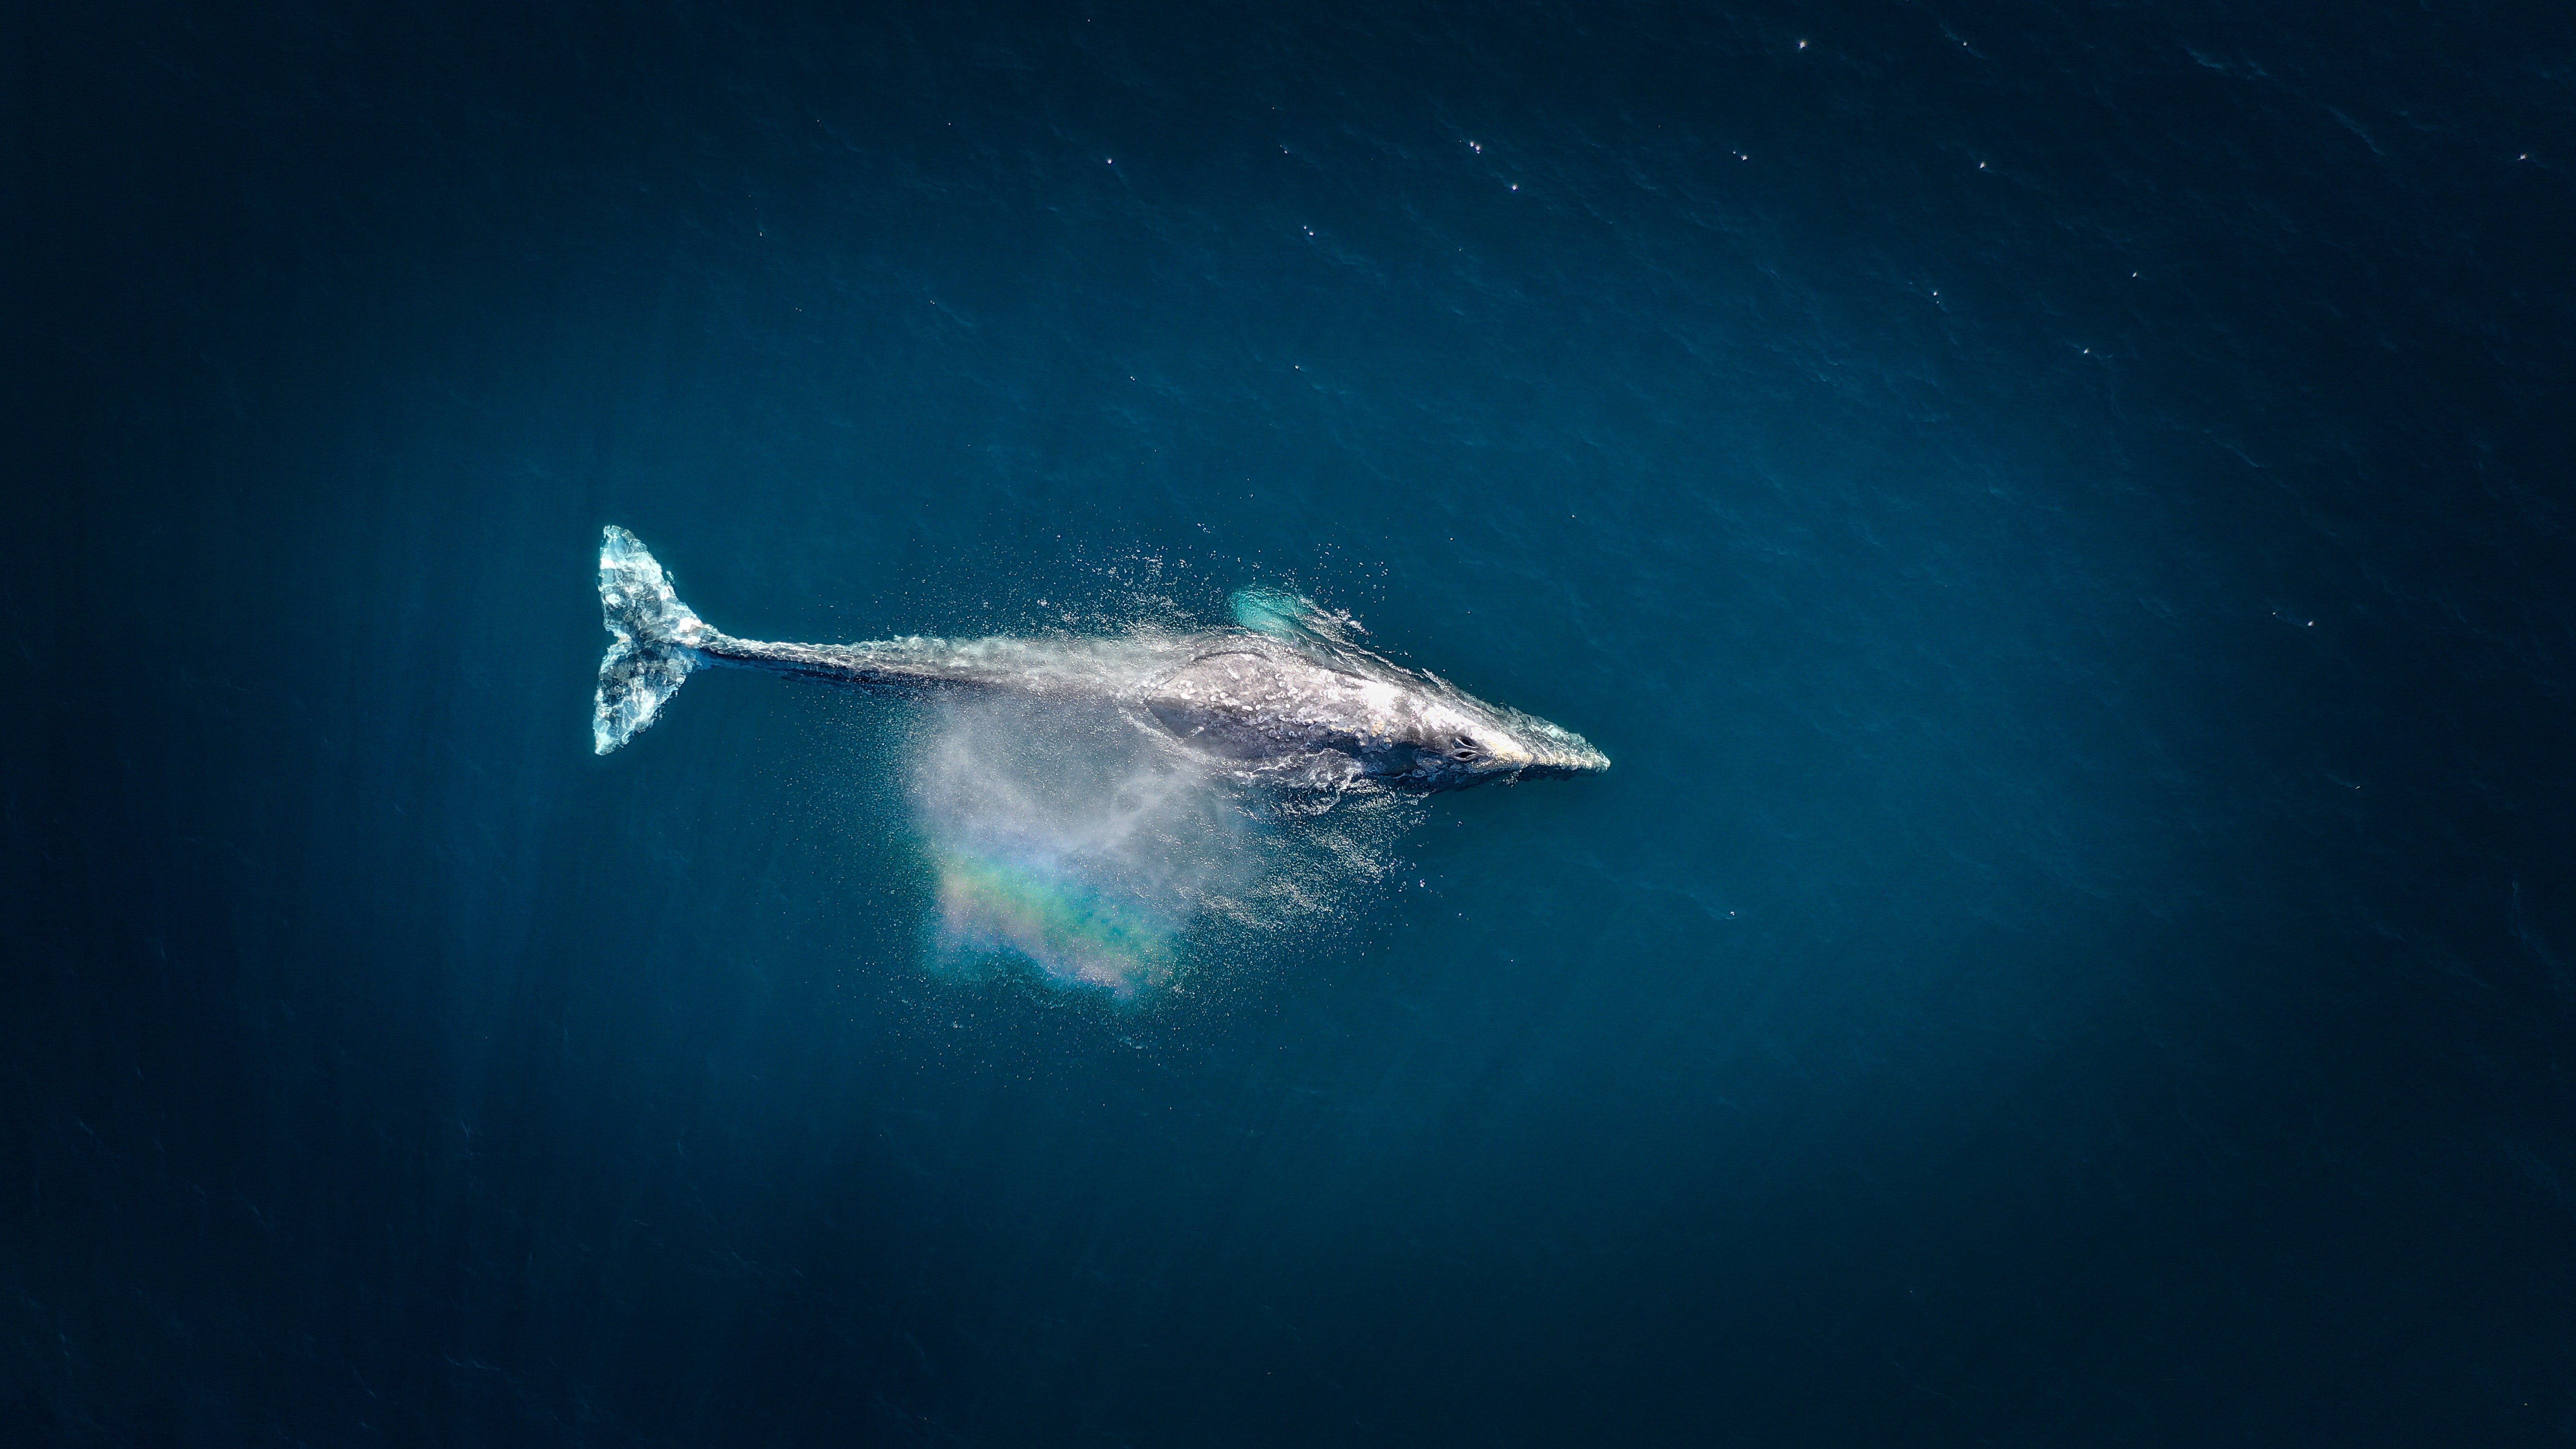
(2060, 512)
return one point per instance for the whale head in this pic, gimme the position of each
(1461, 741)
(1247, 699)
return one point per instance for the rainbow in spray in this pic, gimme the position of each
(1075, 931)
(1062, 836)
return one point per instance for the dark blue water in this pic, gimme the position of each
(2059, 511)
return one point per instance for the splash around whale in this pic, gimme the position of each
(1284, 695)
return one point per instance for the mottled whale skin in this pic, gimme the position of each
(1287, 697)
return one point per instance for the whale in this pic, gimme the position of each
(1282, 694)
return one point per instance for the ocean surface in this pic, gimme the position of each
(2059, 511)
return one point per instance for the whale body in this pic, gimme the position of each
(1283, 694)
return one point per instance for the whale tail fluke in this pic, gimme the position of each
(655, 644)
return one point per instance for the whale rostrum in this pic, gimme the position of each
(1283, 693)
